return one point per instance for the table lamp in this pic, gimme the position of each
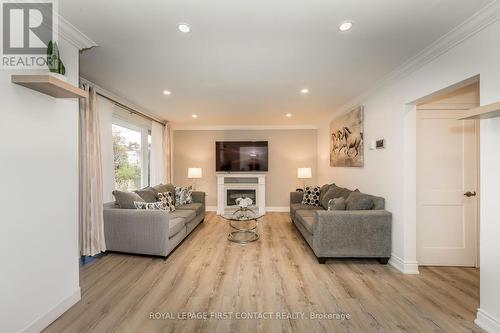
(194, 173)
(304, 173)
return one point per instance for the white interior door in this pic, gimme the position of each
(447, 169)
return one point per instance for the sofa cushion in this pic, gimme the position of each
(323, 190)
(185, 214)
(337, 204)
(148, 194)
(175, 226)
(333, 192)
(311, 195)
(306, 218)
(126, 199)
(196, 206)
(359, 201)
(299, 206)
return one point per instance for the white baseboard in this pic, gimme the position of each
(405, 267)
(45, 320)
(211, 208)
(284, 209)
(487, 322)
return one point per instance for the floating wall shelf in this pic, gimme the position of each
(49, 85)
(482, 112)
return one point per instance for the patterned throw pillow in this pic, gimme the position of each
(148, 205)
(311, 195)
(183, 195)
(166, 200)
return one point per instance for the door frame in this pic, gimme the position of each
(409, 264)
(464, 107)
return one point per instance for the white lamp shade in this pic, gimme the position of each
(194, 172)
(304, 173)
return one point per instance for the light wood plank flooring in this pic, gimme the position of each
(278, 273)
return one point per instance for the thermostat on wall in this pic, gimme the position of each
(380, 144)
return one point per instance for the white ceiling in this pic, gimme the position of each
(244, 62)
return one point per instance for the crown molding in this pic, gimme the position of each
(181, 127)
(74, 36)
(470, 27)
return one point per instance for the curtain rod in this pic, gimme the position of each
(129, 109)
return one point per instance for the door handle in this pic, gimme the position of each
(470, 194)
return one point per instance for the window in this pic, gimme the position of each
(131, 155)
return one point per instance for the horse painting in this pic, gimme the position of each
(346, 140)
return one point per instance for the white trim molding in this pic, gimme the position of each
(405, 267)
(45, 320)
(487, 322)
(211, 208)
(74, 36)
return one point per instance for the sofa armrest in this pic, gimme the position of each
(136, 231)
(353, 233)
(296, 197)
(198, 197)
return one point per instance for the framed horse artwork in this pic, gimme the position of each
(346, 140)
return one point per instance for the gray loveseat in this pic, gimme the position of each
(151, 232)
(344, 233)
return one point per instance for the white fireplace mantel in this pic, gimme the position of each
(245, 181)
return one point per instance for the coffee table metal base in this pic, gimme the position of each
(243, 236)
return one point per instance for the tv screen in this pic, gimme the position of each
(241, 156)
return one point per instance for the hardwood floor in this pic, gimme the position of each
(278, 273)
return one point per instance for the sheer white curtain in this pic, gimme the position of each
(91, 199)
(161, 171)
(157, 160)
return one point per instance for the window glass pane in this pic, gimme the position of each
(127, 158)
(149, 158)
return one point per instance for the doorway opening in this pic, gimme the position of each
(448, 179)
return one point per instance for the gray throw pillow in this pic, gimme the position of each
(334, 192)
(359, 201)
(323, 190)
(148, 194)
(126, 199)
(337, 204)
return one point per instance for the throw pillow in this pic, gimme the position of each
(162, 188)
(337, 204)
(148, 205)
(147, 194)
(334, 192)
(167, 201)
(311, 195)
(359, 201)
(126, 199)
(183, 195)
(323, 190)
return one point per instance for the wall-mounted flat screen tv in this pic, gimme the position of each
(241, 156)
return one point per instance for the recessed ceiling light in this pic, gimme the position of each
(183, 27)
(167, 92)
(346, 25)
(288, 115)
(304, 91)
(194, 116)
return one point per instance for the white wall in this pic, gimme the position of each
(391, 172)
(38, 202)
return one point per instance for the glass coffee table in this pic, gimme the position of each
(244, 223)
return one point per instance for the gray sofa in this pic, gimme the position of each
(151, 232)
(344, 233)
